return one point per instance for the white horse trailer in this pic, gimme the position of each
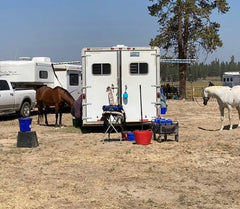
(124, 69)
(69, 76)
(231, 79)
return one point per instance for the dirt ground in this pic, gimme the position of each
(73, 170)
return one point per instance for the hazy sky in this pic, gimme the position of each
(61, 28)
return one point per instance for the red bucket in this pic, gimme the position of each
(143, 137)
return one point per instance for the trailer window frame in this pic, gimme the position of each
(139, 68)
(73, 79)
(101, 69)
(43, 74)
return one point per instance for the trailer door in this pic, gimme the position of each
(74, 83)
(101, 72)
(139, 68)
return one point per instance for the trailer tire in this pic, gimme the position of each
(25, 109)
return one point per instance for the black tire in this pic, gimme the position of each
(25, 110)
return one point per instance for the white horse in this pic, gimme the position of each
(226, 97)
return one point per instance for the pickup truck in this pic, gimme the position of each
(13, 100)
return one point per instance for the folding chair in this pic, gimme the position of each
(112, 119)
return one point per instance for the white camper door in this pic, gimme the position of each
(101, 72)
(74, 83)
(139, 68)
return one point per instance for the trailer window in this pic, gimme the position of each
(74, 80)
(4, 85)
(139, 68)
(101, 69)
(43, 74)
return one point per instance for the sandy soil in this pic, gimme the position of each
(70, 169)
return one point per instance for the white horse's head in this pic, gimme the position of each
(205, 96)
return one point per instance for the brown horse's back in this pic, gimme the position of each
(46, 95)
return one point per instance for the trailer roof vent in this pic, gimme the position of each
(41, 59)
(25, 58)
(120, 46)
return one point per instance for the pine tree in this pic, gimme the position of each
(185, 28)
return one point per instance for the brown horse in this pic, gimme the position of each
(56, 97)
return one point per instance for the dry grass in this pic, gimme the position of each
(70, 169)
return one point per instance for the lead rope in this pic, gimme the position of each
(195, 99)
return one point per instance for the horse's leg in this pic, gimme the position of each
(60, 118)
(230, 116)
(39, 113)
(45, 114)
(56, 115)
(222, 116)
(39, 107)
(60, 111)
(238, 109)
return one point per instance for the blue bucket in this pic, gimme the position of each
(163, 110)
(25, 124)
(130, 136)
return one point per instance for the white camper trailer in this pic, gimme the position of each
(39, 71)
(231, 79)
(26, 72)
(69, 76)
(124, 69)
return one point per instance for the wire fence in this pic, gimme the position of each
(193, 89)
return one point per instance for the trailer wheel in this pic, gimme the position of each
(25, 110)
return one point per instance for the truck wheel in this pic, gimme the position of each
(25, 110)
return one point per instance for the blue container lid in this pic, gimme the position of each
(162, 121)
(168, 121)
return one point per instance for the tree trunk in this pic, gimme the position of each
(182, 80)
(181, 54)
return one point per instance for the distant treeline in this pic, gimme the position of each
(169, 72)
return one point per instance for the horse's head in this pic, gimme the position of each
(205, 96)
